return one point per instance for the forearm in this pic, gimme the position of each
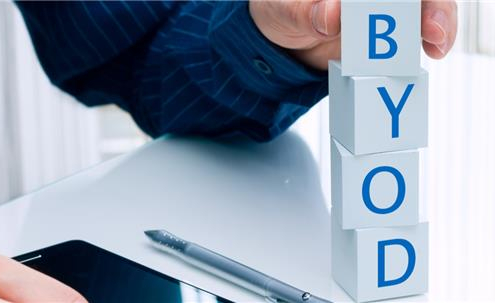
(237, 81)
(201, 68)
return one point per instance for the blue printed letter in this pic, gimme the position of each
(373, 36)
(401, 190)
(395, 111)
(411, 257)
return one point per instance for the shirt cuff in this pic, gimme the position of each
(262, 66)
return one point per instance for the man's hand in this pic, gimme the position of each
(19, 283)
(310, 29)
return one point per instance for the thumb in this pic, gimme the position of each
(19, 283)
(325, 18)
(297, 24)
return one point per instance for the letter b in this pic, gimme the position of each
(380, 38)
(374, 36)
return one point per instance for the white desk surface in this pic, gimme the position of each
(263, 205)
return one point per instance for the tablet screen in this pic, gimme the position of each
(101, 276)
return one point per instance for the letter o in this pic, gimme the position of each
(401, 190)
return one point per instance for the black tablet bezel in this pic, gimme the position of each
(73, 245)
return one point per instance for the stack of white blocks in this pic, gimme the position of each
(379, 118)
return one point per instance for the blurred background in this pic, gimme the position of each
(46, 135)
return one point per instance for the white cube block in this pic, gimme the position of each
(380, 263)
(381, 38)
(378, 114)
(374, 190)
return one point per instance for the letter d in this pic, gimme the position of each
(411, 261)
(373, 36)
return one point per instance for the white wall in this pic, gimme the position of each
(44, 134)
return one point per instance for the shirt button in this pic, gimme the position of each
(262, 66)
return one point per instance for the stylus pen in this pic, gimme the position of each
(230, 270)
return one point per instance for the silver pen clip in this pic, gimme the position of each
(305, 297)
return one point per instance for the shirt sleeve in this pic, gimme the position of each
(177, 67)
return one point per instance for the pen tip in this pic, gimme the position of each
(167, 239)
(150, 233)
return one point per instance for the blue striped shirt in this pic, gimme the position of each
(176, 67)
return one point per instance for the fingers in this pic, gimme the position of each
(297, 24)
(325, 18)
(438, 26)
(19, 283)
(319, 19)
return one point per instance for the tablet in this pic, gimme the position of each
(102, 276)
